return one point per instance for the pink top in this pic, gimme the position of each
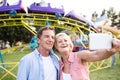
(78, 70)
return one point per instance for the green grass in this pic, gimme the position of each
(14, 57)
(111, 73)
(106, 74)
(10, 60)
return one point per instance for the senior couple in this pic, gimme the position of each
(43, 64)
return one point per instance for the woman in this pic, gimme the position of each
(73, 65)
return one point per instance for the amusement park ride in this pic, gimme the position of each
(41, 14)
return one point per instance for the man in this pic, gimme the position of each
(41, 64)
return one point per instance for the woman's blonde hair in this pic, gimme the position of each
(68, 38)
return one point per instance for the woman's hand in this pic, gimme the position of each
(115, 45)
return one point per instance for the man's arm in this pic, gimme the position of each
(23, 70)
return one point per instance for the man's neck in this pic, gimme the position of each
(43, 52)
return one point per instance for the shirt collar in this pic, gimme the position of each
(37, 52)
(71, 57)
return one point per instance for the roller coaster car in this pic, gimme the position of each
(44, 7)
(6, 8)
(73, 15)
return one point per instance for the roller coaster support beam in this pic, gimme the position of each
(3, 65)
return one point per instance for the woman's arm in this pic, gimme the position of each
(96, 55)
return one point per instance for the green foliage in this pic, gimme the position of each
(112, 15)
(15, 34)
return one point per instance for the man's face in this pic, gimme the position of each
(47, 39)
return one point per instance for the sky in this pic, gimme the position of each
(83, 7)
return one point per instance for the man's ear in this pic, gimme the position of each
(38, 40)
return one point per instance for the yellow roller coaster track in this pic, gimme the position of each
(40, 19)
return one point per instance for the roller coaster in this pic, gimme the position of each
(41, 14)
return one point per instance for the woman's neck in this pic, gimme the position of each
(66, 64)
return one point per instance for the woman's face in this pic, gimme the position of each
(62, 44)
